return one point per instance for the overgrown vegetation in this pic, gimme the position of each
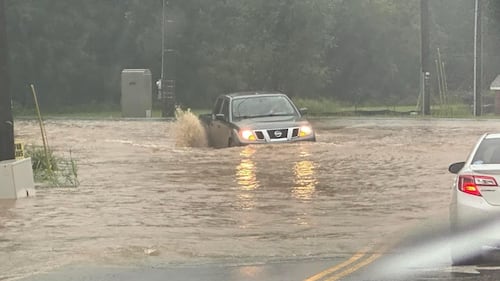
(52, 170)
(318, 106)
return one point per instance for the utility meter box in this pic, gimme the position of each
(137, 93)
(16, 179)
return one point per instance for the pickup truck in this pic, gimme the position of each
(255, 117)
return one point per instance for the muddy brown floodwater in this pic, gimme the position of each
(142, 200)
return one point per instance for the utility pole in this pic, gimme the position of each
(167, 67)
(162, 78)
(478, 61)
(7, 150)
(425, 58)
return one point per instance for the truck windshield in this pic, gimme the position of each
(262, 106)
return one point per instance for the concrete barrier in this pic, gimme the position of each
(16, 179)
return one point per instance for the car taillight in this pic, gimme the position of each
(469, 184)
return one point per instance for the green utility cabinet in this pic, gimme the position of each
(137, 99)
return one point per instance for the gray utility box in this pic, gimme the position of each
(137, 95)
(16, 179)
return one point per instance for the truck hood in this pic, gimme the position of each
(272, 122)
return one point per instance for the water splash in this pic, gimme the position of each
(189, 132)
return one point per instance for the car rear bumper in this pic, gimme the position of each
(473, 216)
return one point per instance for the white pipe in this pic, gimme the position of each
(476, 9)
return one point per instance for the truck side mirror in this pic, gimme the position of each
(219, 117)
(303, 110)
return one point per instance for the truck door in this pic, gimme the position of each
(211, 126)
(222, 127)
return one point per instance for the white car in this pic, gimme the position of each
(475, 203)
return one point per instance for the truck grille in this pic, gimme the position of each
(278, 134)
(259, 135)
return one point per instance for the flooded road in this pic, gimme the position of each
(142, 200)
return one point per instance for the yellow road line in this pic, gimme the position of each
(351, 265)
(356, 267)
(353, 259)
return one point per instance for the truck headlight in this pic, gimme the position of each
(247, 135)
(305, 131)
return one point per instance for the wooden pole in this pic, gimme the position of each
(42, 127)
(441, 74)
(445, 83)
(438, 76)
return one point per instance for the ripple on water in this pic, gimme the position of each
(140, 191)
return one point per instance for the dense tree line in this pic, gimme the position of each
(358, 51)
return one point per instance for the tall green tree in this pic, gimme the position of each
(74, 51)
(362, 51)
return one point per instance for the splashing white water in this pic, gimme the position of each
(189, 132)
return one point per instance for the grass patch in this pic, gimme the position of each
(396, 108)
(452, 111)
(85, 112)
(52, 170)
(318, 106)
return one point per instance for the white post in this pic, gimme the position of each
(163, 41)
(475, 57)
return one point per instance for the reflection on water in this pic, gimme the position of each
(304, 176)
(246, 177)
(246, 171)
(305, 179)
